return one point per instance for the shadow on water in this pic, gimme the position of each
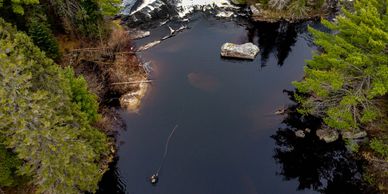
(326, 168)
(111, 181)
(278, 38)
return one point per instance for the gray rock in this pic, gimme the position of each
(354, 135)
(243, 51)
(300, 134)
(138, 34)
(255, 11)
(327, 135)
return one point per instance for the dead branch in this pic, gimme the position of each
(133, 82)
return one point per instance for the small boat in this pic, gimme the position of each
(154, 179)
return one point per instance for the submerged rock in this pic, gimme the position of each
(354, 135)
(327, 135)
(243, 51)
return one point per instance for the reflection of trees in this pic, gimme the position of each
(277, 38)
(111, 182)
(327, 168)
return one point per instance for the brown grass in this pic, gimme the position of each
(102, 63)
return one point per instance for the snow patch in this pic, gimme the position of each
(145, 3)
(188, 6)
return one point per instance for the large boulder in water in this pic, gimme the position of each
(243, 51)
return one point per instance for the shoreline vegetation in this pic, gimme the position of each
(60, 62)
(345, 84)
(288, 10)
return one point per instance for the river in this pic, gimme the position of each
(229, 141)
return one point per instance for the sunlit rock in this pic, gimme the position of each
(327, 135)
(132, 100)
(354, 135)
(243, 51)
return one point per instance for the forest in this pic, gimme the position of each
(55, 124)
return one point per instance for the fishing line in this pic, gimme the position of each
(166, 149)
(154, 177)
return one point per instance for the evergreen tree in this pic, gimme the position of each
(343, 81)
(17, 5)
(41, 124)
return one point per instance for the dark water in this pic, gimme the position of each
(228, 140)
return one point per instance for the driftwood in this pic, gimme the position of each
(132, 82)
(154, 43)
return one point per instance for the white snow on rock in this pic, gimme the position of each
(187, 6)
(145, 3)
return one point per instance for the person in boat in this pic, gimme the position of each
(154, 179)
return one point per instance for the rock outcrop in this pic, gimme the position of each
(243, 51)
(327, 135)
(354, 135)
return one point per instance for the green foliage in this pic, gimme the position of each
(297, 7)
(80, 95)
(352, 71)
(352, 146)
(110, 7)
(82, 18)
(40, 123)
(90, 23)
(43, 37)
(9, 163)
(380, 147)
(17, 5)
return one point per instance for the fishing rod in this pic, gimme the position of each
(155, 177)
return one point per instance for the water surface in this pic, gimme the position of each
(228, 140)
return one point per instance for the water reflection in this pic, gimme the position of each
(111, 181)
(327, 168)
(278, 38)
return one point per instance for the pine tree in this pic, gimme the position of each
(343, 81)
(41, 124)
(17, 5)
